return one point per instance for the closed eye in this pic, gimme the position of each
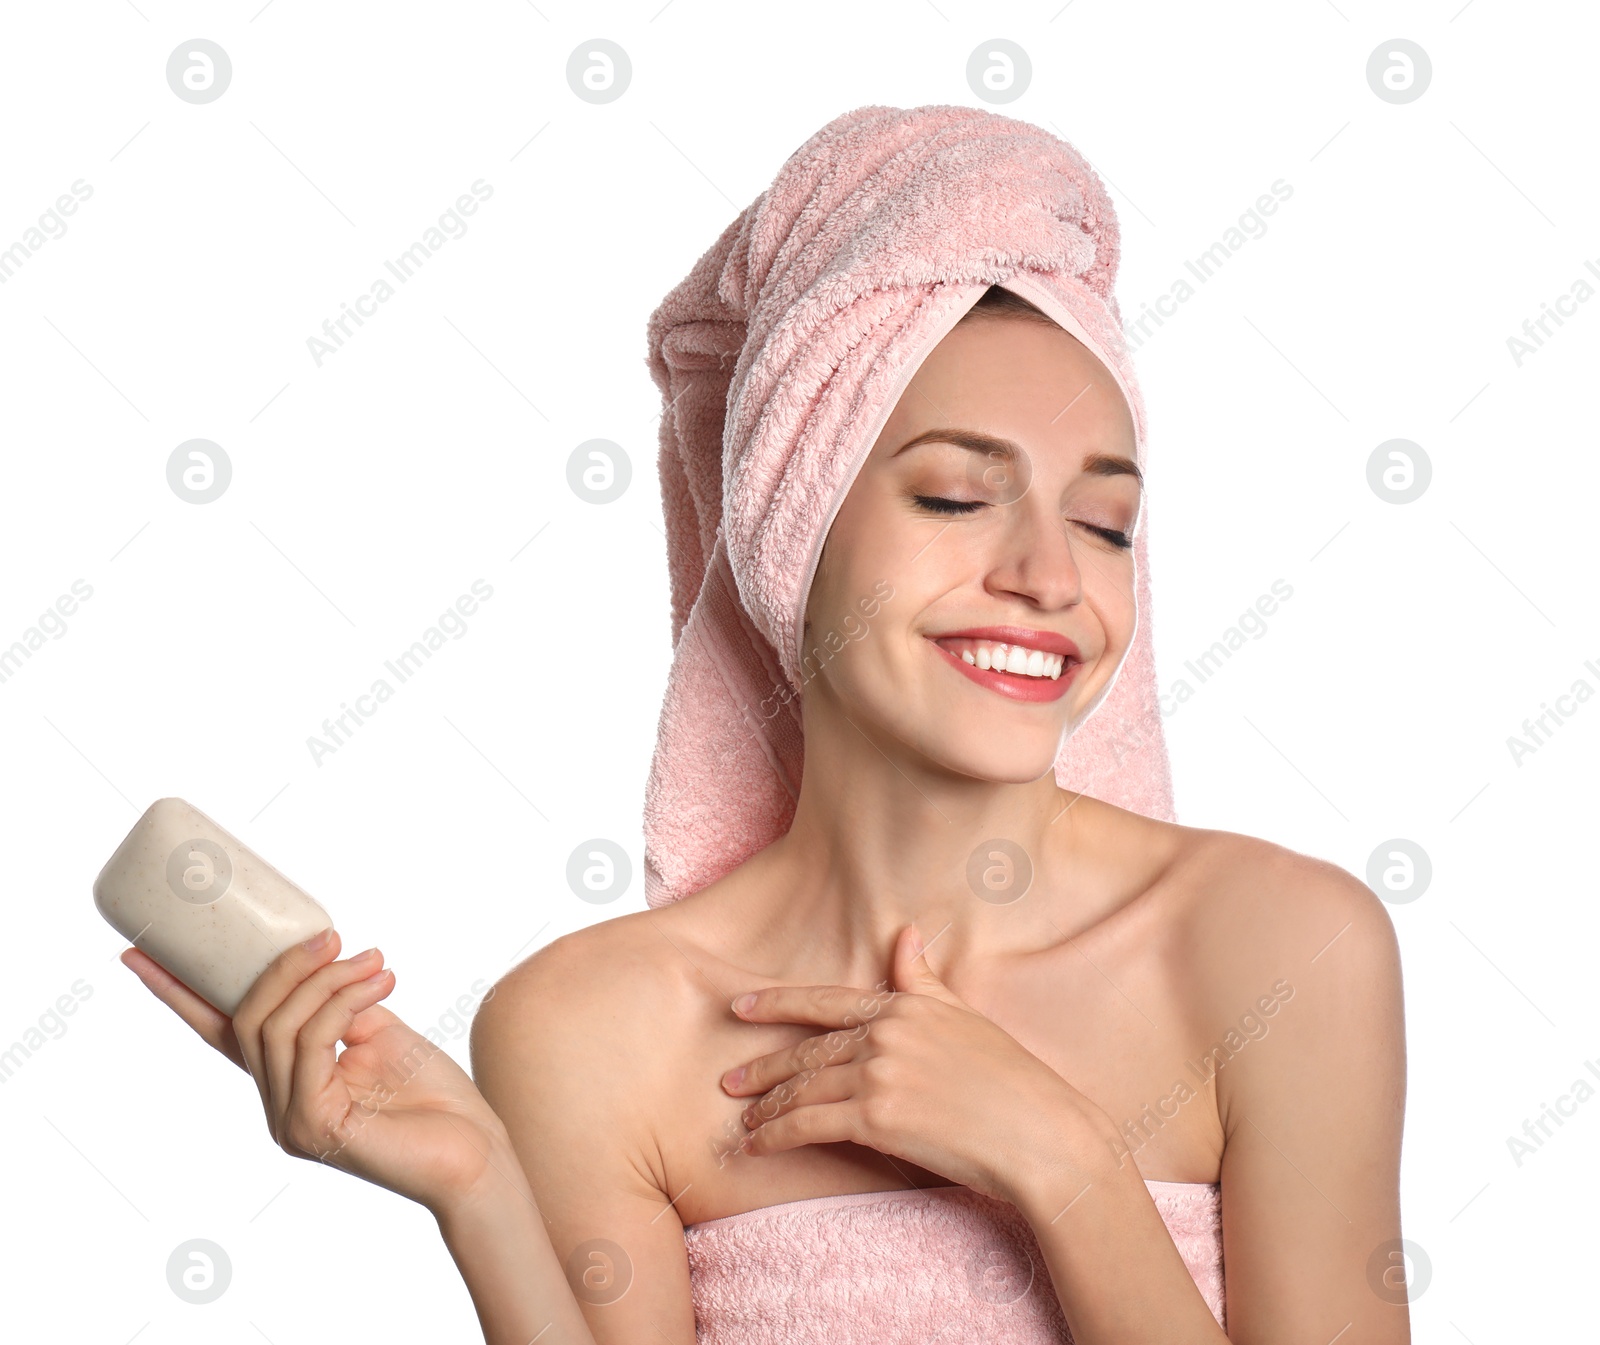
(1120, 540)
(938, 504)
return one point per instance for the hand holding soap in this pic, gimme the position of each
(202, 904)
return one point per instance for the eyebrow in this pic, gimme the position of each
(1008, 452)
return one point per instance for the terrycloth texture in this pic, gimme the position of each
(907, 1268)
(779, 358)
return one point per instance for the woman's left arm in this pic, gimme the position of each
(1312, 1112)
(1311, 1098)
(1312, 1115)
(918, 1074)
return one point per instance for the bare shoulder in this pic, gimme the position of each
(1230, 906)
(570, 1046)
(593, 1001)
(605, 958)
(1294, 970)
(1259, 925)
(1242, 893)
(1250, 905)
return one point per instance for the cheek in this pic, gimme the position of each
(852, 609)
(858, 612)
(1109, 591)
(864, 558)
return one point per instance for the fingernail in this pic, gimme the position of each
(318, 940)
(733, 1078)
(362, 957)
(744, 1003)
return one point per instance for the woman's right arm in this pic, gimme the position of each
(564, 1052)
(517, 1283)
(397, 1111)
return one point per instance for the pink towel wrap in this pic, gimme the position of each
(944, 1265)
(779, 358)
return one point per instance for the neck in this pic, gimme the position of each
(882, 837)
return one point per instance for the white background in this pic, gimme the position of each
(430, 451)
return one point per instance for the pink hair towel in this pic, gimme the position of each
(779, 358)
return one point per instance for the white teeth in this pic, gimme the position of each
(1019, 659)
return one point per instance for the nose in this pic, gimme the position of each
(1037, 560)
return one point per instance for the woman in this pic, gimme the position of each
(994, 1077)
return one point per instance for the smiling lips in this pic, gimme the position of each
(1025, 665)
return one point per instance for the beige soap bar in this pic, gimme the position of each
(203, 905)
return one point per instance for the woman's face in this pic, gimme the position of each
(969, 534)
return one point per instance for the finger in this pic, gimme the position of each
(766, 1071)
(835, 1083)
(367, 1024)
(206, 1019)
(315, 1065)
(280, 1031)
(825, 1124)
(824, 1005)
(914, 974)
(270, 989)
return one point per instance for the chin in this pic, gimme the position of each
(996, 760)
